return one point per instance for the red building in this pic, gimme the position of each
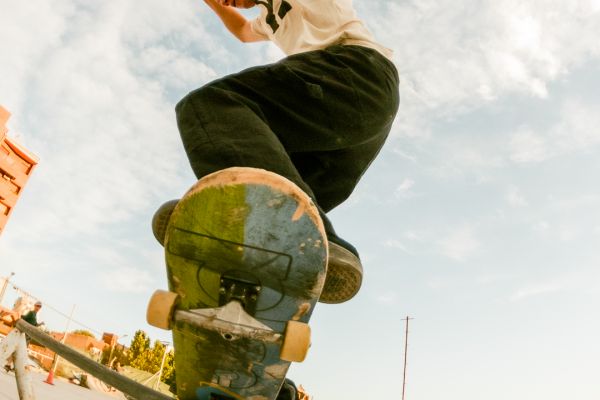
(16, 165)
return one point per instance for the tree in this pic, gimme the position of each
(146, 358)
(117, 354)
(158, 352)
(84, 333)
(140, 344)
(168, 375)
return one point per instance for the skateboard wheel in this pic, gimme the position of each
(161, 308)
(296, 341)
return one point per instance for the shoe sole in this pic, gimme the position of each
(344, 276)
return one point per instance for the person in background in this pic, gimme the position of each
(31, 316)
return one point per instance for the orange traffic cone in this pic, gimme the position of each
(50, 379)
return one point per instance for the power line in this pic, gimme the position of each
(81, 324)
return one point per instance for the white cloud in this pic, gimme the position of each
(408, 239)
(575, 202)
(404, 189)
(460, 244)
(389, 298)
(405, 155)
(576, 131)
(525, 32)
(527, 146)
(439, 283)
(414, 236)
(172, 68)
(579, 128)
(454, 56)
(515, 198)
(542, 227)
(128, 280)
(25, 45)
(534, 290)
(492, 279)
(97, 116)
(396, 244)
(471, 159)
(567, 234)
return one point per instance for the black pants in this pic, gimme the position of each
(318, 118)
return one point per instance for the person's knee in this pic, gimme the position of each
(193, 99)
(195, 110)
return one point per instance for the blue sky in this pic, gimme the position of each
(480, 219)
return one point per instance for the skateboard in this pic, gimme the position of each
(246, 255)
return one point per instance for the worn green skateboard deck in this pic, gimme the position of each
(246, 255)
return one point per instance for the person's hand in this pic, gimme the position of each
(226, 3)
(234, 21)
(231, 3)
(214, 4)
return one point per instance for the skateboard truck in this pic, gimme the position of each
(243, 291)
(231, 321)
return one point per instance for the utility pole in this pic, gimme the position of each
(112, 349)
(50, 379)
(3, 290)
(162, 364)
(405, 356)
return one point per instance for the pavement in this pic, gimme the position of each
(61, 390)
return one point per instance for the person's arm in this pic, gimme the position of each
(235, 22)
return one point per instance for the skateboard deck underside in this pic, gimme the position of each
(250, 236)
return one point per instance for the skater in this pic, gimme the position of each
(317, 117)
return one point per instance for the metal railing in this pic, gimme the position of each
(14, 346)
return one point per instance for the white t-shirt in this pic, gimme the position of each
(297, 26)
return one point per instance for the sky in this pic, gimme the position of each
(480, 219)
